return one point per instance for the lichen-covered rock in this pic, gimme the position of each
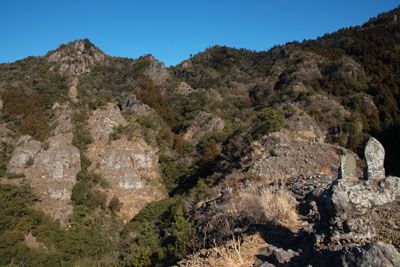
(375, 157)
(351, 200)
(51, 171)
(348, 166)
(361, 197)
(202, 124)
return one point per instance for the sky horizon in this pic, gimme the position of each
(172, 30)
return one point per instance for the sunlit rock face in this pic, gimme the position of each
(50, 169)
(129, 166)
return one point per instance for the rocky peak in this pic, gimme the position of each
(77, 57)
(156, 70)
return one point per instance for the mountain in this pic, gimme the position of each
(231, 158)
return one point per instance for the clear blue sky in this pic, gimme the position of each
(171, 30)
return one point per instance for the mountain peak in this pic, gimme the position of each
(76, 57)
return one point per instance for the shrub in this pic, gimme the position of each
(181, 146)
(172, 172)
(12, 175)
(29, 162)
(270, 120)
(5, 153)
(209, 149)
(165, 137)
(159, 234)
(83, 193)
(150, 94)
(117, 132)
(115, 205)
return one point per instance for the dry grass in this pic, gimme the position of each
(235, 253)
(266, 206)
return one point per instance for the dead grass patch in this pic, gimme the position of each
(266, 206)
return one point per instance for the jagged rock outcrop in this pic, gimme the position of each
(184, 88)
(157, 71)
(202, 124)
(281, 155)
(50, 169)
(129, 166)
(135, 106)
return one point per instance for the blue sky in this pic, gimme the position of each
(171, 30)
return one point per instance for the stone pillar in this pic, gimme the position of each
(375, 156)
(348, 167)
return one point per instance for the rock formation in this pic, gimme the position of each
(202, 124)
(353, 198)
(157, 71)
(281, 155)
(375, 156)
(130, 166)
(76, 58)
(51, 169)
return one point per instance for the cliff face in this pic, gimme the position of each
(143, 164)
(130, 166)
